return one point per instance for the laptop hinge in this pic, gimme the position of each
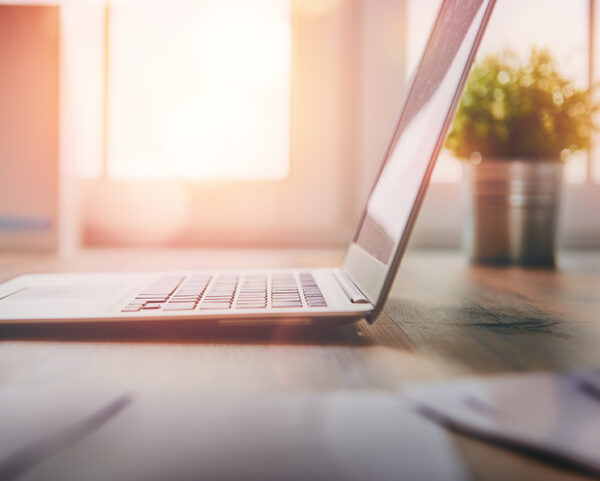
(349, 287)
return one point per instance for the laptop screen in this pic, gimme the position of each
(419, 128)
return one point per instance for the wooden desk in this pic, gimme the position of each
(444, 319)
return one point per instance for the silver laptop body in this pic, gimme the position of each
(356, 290)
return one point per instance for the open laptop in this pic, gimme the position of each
(358, 289)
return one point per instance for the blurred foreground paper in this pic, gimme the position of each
(350, 436)
(554, 416)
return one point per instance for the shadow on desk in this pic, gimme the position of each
(173, 332)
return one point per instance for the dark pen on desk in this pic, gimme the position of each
(590, 386)
(33, 454)
(523, 445)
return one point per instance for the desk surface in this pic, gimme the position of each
(444, 319)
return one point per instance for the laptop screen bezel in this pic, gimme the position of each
(371, 276)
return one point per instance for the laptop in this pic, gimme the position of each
(358, 289)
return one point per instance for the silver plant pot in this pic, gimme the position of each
(511, 211)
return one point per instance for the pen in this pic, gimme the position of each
(512, 443)
(590, 386)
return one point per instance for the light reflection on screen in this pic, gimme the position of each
(420, 125)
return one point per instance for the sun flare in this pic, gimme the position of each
(201, 90)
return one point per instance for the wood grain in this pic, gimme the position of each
(443, 319)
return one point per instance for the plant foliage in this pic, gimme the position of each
(512, 109)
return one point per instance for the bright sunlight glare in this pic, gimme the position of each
(200, 90)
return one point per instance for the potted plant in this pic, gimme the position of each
(516, 124)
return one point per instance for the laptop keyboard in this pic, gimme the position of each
(226, 291)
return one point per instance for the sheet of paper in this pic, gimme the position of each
(34, 426)
(346, 435)
(553, 414)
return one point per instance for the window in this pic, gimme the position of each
(199, 90)
(146, 109)
(225, 122)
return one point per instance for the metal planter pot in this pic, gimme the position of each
(511, 211)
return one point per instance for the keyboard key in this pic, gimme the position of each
(180, 306)
(215, 305)
(251, 291)
(287, 304)
(169, 288)
(131, 309)
(311, 291)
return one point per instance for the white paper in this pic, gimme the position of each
(348, 435)
(552, 414)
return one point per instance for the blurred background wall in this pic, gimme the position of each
(262, 122)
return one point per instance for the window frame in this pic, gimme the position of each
(371, 115)
(303, 209)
